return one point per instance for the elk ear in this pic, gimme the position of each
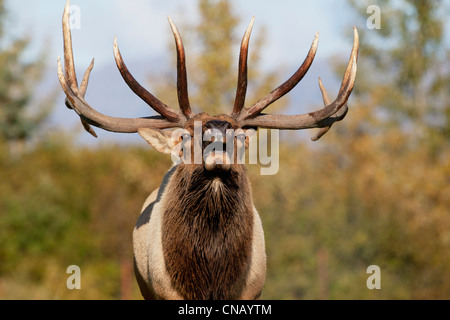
(160, 140)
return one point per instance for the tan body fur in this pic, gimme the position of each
(153, 278)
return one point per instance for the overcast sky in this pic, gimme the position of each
(142, 27)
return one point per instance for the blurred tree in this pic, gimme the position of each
(18, 81)
(391, 157)
(376, 191)
(404, 69)
(212, 49)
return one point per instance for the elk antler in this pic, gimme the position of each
(151, 100)
(140, 91)
(286, 87)
(170, 118)
(89, 116)
(338, 116)
(324, 118)
(242, 77)
(182, 83)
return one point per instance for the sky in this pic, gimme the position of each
(142, 26)
(144, 34)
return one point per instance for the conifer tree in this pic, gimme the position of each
(20, 114)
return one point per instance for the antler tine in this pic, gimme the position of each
(70, 65)
(347, 85)
(340, 115)
(68, 51)
(242, 77)
(75, 96)
(140, 91)
(85, 81)
(325, 97)
(286, 87)
(322, 118)
(113, 124)
(182, 83)
(83, 89)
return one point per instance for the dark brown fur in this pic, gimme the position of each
(207, 232)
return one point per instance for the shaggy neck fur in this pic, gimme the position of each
(207, 232)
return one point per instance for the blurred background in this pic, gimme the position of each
(374, 191)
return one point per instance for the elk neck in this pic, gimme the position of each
(207, 231)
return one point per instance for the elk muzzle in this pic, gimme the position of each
(215, 152)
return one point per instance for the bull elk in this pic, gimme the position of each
(199, 235)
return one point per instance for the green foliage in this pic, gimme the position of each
(362, 200)
(403, 70)
(71, 205)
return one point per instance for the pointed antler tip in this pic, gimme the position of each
(116, 47)
(67, 8)
(315, 42)
(249, 28)
(91, 66)
(60, 69)
(172, 25)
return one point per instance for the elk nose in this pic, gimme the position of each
(222, 126)
(217, 124)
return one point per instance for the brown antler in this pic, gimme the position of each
(182, 83)
(70, 70)
(140, 91)
(242, 77)
(324, 118)
(89, 116)
(285, 88)
(340, 115)
(182, 86)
